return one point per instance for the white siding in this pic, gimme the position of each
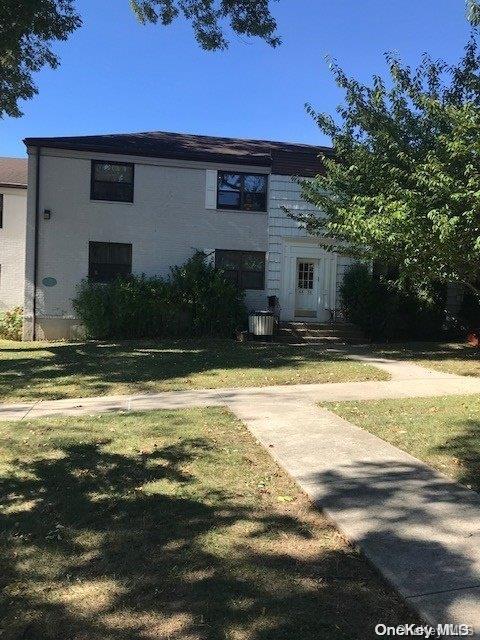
(285, 193)
(12, 247)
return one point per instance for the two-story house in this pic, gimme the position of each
(99, 206)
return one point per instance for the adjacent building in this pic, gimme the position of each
(13, 215)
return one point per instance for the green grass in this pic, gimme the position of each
(444, 432)
(33, 371)
(170, 524)
(460, 359)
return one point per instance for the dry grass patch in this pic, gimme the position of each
(170, 524)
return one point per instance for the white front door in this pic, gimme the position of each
(306, 293)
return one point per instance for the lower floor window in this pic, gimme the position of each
(246, 269)
(109, 260)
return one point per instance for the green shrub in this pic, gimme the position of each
(125, 309)
(11, 324)
(197, 300)
(469, 312)
(208, 303)
(386, 313)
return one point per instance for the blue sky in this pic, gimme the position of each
(118, 76)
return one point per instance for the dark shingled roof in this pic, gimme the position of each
(282, 157)
(13, 172)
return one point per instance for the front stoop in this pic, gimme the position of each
(323, 333)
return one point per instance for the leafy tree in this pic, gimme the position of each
(26, 30)
(246, 17)
(29, 27)
(404, 185)
(473, 12)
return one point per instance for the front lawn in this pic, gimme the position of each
(444, 432)
(170, 524)
(33, 371)
(459, 359)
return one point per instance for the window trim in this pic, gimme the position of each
(93, 181)
(242, 174)
(2, 207)
(240, 253)
(97, 242)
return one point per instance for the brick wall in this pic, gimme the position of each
(12, 248)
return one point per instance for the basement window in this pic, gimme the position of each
(108, 261)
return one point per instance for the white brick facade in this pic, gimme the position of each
(12, 247)
(166, 223)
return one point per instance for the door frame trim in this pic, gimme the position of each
(294, 248)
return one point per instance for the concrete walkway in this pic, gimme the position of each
(421, 530)
(407, 381)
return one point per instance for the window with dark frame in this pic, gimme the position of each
(242, 191)
(112, 181)
(1, 210)
(246, 269)
(109, 260)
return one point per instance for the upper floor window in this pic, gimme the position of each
(244, 268)
(112, 181)
(242, 191)
(109, 260)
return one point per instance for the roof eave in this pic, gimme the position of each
(254, 160)
(13, 185)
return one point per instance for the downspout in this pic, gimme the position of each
(35, 249)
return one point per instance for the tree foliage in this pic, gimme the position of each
(473, 12)
(27, 29)
(245, 17)
(30, 27)
(404, 186)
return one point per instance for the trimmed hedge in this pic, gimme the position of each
(196, 300)
(387, 314)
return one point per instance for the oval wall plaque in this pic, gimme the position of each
(49, 282)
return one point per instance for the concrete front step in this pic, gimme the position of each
(320, 332)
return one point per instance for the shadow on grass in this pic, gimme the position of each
(45, 371)
(436, 351)
(89, 522)
(465, 450)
